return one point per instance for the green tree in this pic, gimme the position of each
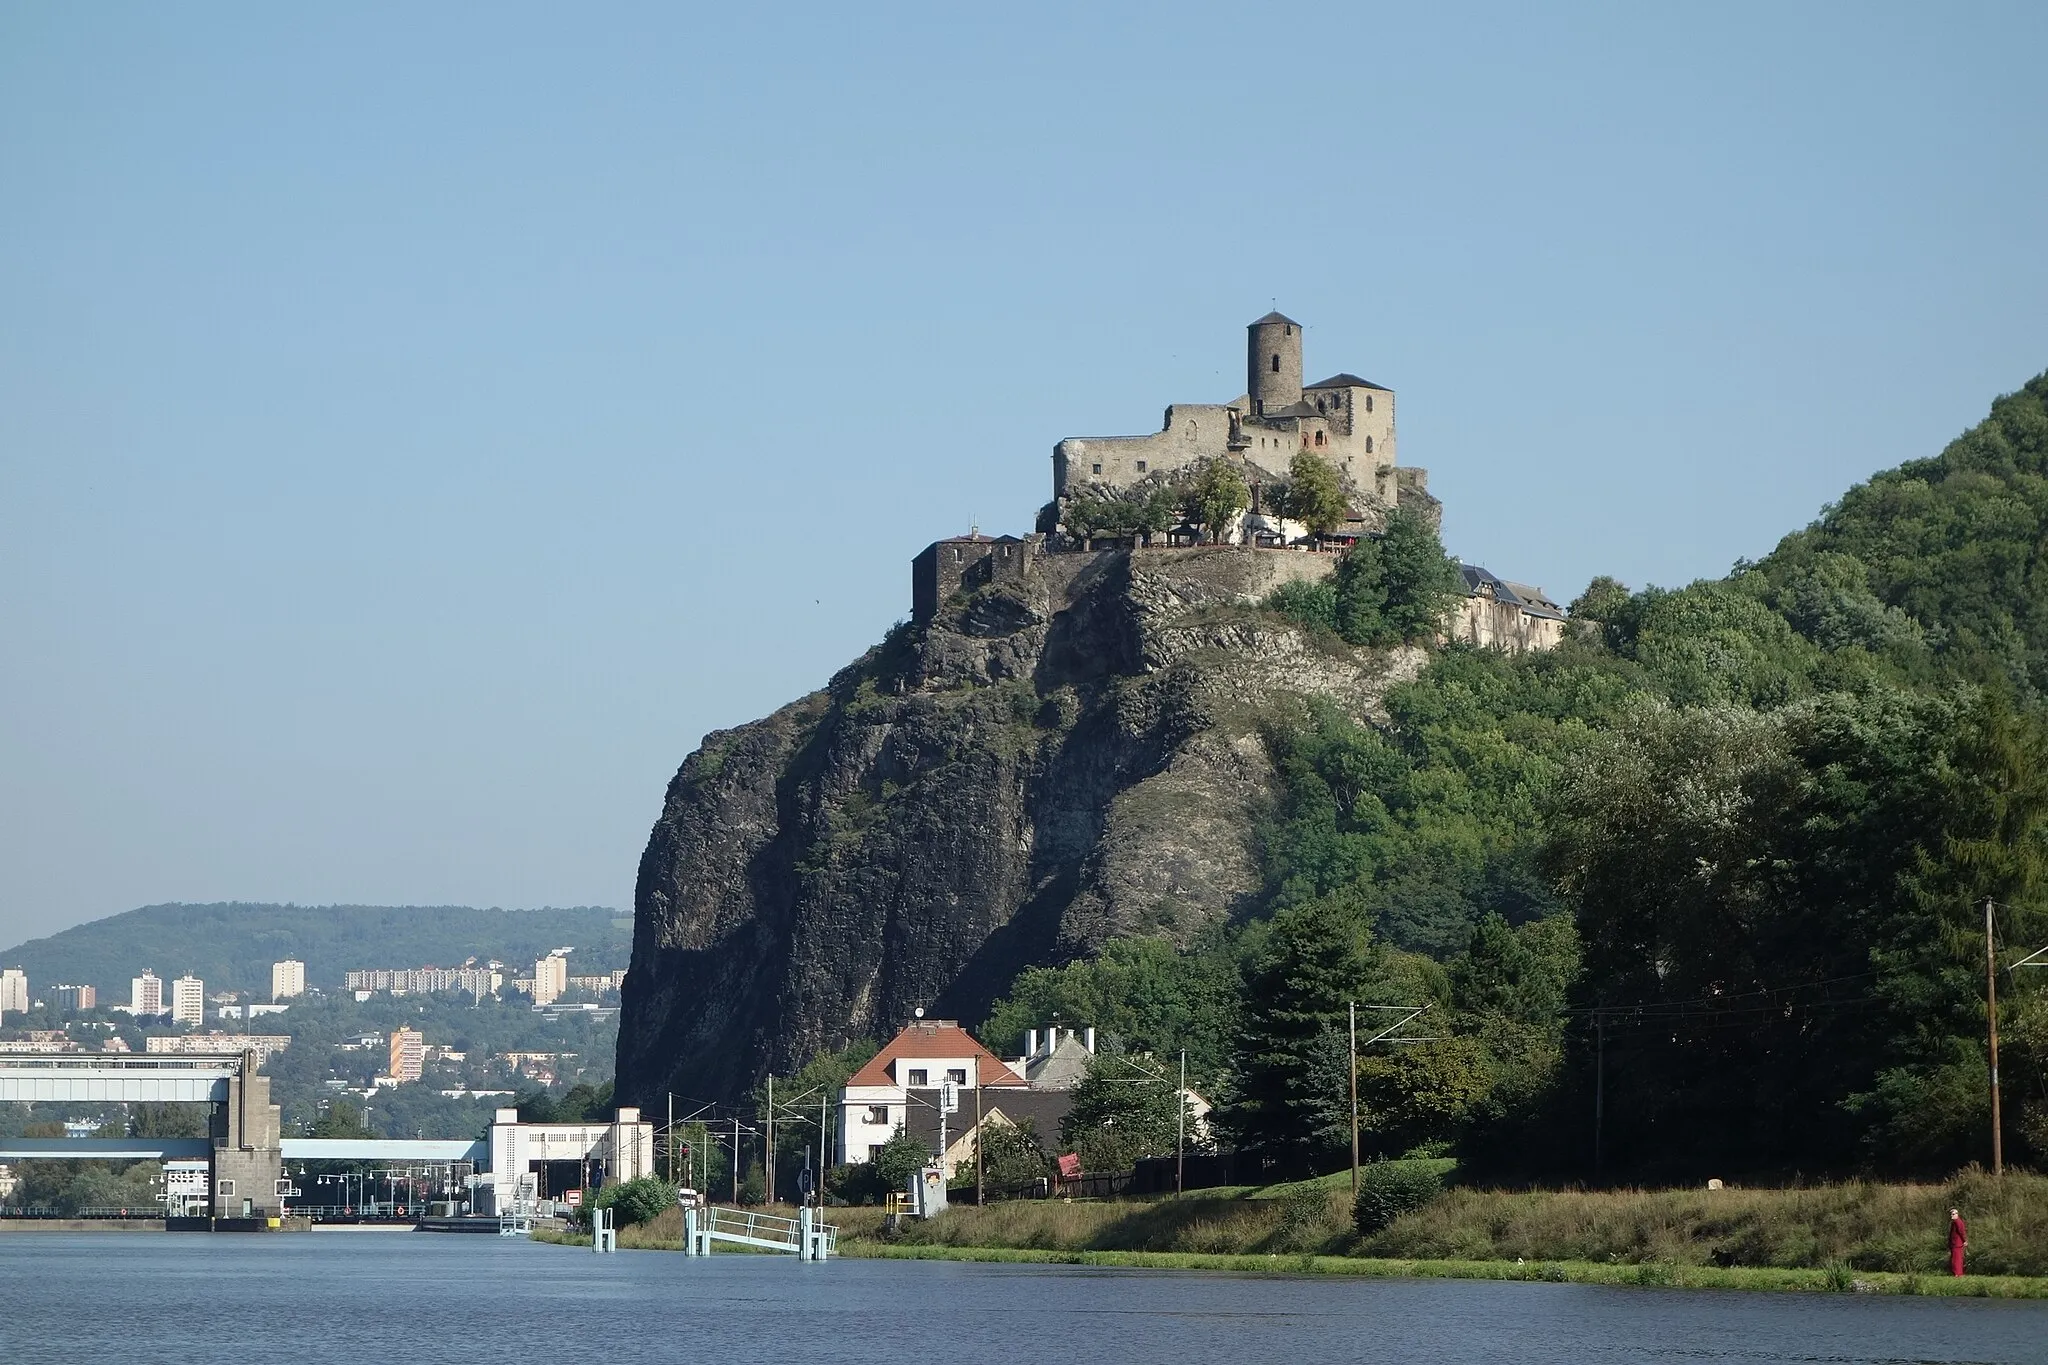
(1123, 1109)
(1360, 606)
(1218, 495)
(1315, 495)
(1011, 1154)
(1422, 583)
(1319, 957)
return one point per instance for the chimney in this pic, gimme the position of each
(1030, 1043)
(1052, 1040)
(1088, 1040)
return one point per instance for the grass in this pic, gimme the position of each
(1659, 1275)
(1879, 1238)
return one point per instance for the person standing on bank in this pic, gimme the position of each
(1958, 1238)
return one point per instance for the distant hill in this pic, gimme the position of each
(231, 946)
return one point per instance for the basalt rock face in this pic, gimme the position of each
(1049, 765)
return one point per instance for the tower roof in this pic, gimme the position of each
(1276, 317)
(1347, 381)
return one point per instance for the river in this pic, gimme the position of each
(366, 1298)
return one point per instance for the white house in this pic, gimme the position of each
(905, 1079)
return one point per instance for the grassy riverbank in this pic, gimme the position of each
(1881, 1238)
(1837, 1279)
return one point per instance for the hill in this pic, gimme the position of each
(231, 945)
(1720, 858)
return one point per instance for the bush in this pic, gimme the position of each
(1388, 1189)
(636, 1201)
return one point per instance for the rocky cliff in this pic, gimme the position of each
(1049, 765)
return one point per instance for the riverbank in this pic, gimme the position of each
(1857, 1236)
(1839, 1279)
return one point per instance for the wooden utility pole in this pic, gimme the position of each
(670, 1131)
(1180, 1133)
(768, 1142)
(1599, 1091)
(1354, 1102)
(1991, 1012)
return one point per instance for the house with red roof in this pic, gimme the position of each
(901, 1086)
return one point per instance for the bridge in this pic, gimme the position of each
(242, 1148)
(246, 1152)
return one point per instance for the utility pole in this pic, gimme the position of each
(735, 1159)
(769, 1164)
(980, 1170)
(1599, 1090)
(1180, 1131)
(823, 1141)
(1991, 1011)
(1354, 1102)
(671, 1131)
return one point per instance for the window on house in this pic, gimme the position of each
(919, 1077)
(878, 1114)
(1368, 445)
(1098, 469)
(1319, 405)
(874, 1150)
(1276, 362)
(1141, 466)
(1368, 402)
(957, 1075)
(1319, 438)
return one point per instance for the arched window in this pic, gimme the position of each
(1368, 402)
(1319, 405)
(1368, 445)
(1276, 362)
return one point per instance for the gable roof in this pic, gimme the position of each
(1480, 581)
(1346, 380)
(1276, 317)
(935, 1038)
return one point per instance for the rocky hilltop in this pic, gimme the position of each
(1048, 764)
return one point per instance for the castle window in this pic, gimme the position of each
(1319, 438)
(1098, 469)
(956, 554)
(1368, 445)
(1368, 402)
(1276, 362)
(1319, 405)
(1141, 466)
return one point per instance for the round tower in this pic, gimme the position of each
(1273, 363)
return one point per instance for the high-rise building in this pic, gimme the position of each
(14, 990)
(408, 1050)
(146, 994)
(287, 979)
(550, 978)
(188, 1000)
(75, 998)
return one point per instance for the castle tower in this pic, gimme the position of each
(1273, 363)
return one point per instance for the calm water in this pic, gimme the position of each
(364, 1298)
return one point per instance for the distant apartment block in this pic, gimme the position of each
(188, 1000)
(40, 1040)
(287, 979)
(598, 985)
(14, 990)
(264, 1045)
(476, 981)
(408, 1051)
(550, 978)
(146, 994)
(76, 998)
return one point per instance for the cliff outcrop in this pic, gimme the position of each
(1049, 764)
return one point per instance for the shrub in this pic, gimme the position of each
(1388, 1189)
(636, 1201)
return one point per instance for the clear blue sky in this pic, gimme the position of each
(419, 425)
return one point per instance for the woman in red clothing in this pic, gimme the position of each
(1958, 1238)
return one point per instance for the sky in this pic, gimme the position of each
(421, 425)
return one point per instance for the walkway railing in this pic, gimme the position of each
(803, 1236)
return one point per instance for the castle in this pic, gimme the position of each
(1345, 421)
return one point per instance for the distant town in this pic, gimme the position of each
(410, 1051)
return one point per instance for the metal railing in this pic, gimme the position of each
(762, 1229)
